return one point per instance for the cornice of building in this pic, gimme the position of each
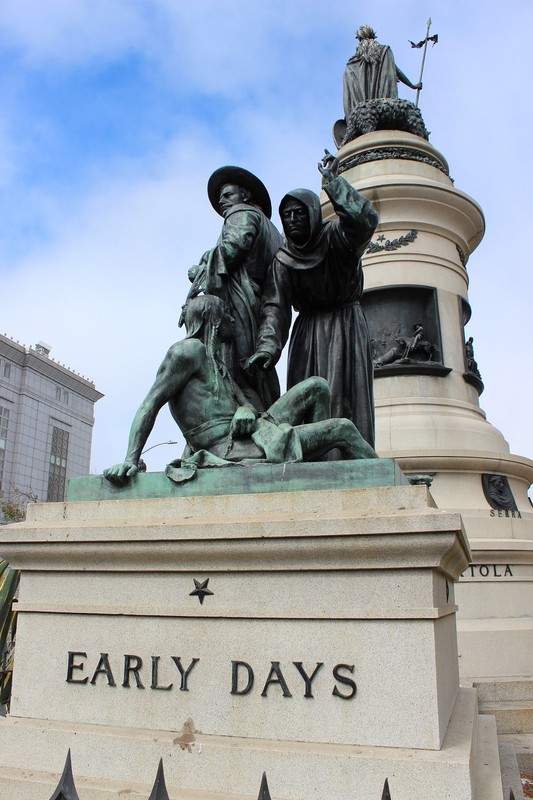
(28, 357)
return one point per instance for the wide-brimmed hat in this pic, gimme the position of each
(239, 177)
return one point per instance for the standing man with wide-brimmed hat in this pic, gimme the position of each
(236, 268)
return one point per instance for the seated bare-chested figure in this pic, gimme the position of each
(213, 414)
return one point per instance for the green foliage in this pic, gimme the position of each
(13, 512)
(9, 580)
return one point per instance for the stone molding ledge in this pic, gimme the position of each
(433, 540)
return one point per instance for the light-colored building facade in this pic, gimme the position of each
(46, 421)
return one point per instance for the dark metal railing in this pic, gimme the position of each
(66, 789)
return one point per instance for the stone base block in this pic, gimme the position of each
(328, 616)
(522, 745)
(510, 770)
(493, 690)
(511, 717)
(497, 647)
(509, 701)
(111, 763)
(306, 634)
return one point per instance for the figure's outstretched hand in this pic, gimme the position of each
(193, 272)
(259, 359)
(121, 474)
(329, 166)
(243, 422)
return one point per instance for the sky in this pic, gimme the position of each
(114, 113)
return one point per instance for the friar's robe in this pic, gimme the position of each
(323, 281)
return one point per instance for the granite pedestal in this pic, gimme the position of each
(308, 634)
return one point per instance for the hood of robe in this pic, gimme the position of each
(312, 253)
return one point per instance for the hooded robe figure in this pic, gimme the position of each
(323, 280)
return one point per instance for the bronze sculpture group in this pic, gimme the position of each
(214, 415)
(220, 381)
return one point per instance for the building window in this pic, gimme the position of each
(62, 396)
(7, 369)
(58, 465)
(4, 422)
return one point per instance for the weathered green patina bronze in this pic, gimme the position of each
(218, 423)
(260, 478)
(318, 272)
(235, 270)
(371, 73)
(407, 349)
(370, 93)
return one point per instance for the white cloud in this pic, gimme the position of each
(107, 293)
(106, 280)
(72, 31)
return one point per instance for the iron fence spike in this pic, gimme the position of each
(385, 795)
(264, 793)
(66, 790)
(159, 792)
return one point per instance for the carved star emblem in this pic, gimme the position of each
(381, 238)
(200, 591)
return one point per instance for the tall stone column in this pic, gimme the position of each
(427, 386)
